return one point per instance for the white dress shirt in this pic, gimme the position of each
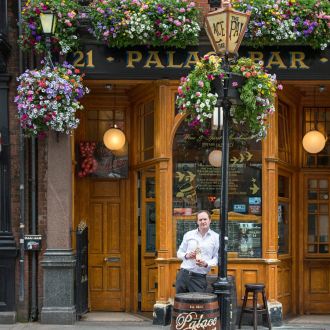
(208, 245)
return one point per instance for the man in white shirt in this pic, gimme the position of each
(198, 252)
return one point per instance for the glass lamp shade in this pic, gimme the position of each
(314, 142)
(48, 22)
(122, 152)
(114, 138)
(215, 158)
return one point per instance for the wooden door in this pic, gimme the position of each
(148, 240)
(106, 245)
(317, 244)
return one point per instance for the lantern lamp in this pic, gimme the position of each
(225, 28)
(48, 22)
(314, 141)
(114, 138)
(215, 158)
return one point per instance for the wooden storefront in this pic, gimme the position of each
(133, 220)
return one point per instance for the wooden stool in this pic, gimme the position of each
(255, 289)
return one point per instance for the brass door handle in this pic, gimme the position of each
(111, 259)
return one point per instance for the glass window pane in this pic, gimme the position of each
(150, 187)
(324, 195)
(106, 115)
(151, 226)
(323, 208)
(312, 236)
(323, 228)
(283, 228)
(312, 208)
(312, 184)
(312, 248)
(323, 184)
(323, 248)
(312, 195)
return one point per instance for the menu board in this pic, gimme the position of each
(243, 237)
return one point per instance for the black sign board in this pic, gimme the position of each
(32, 242)
(287, 62)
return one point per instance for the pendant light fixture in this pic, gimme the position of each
(314, 141)
(114, 138)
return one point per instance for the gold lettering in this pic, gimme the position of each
(275, 59)
(78, 59)
(154, 59)
(297, 58)
(192, 59)
(90, 59)
(256, 56)
(171, 64)
(133, 57)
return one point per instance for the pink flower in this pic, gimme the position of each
(180, 90)
(177, 23)
(182, 10)
(68, 23)
(235, 84)
(71, 14)
(201, 83)
(198, 94)
(210, 77)
(280, 87)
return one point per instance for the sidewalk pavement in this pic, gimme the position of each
(128, 321)
(84, 325)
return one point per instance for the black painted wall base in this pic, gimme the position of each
(162, 314)
(8, 253)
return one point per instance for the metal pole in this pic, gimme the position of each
(222, 286)
(21, 178)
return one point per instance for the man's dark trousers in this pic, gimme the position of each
(187, 281)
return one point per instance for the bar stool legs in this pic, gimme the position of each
(255, 289)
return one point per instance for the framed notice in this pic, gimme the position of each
(95, 160)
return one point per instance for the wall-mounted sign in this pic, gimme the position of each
(32, 242)
(288, 62)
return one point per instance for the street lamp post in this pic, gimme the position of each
(225, 28)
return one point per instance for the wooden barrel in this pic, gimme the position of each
(195, 310)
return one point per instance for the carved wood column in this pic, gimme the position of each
(269, 206)
(164, 111)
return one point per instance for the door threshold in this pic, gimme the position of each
(113, 317)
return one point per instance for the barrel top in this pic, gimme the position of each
(195, 295)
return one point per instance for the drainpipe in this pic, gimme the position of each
(34, 308)
(21, 178)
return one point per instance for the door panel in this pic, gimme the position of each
(106, 257)
(148, 246)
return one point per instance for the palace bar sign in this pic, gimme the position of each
(288, 63)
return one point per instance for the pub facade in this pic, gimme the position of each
(138, 202)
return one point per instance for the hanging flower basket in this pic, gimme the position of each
(197, 97)
(48, 99)
(122, 23)
(286, 22)
(65, 38)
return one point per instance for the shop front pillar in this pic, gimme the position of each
(8, 250)
(58, 261)
(162, 307)
(269, 224)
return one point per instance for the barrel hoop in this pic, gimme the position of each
(209, 311)
(196, 306)
(195, 301)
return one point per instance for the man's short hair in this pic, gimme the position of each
(203, 211)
